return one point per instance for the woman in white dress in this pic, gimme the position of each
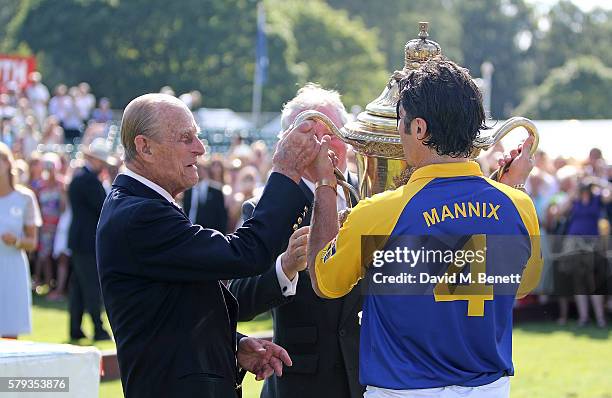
(19, 220)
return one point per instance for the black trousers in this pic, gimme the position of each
(84, 293)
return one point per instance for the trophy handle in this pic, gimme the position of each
(316, 115)
(486, 142)
(483, 142)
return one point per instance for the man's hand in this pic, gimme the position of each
(294, 259)
(262, 357)
(295, 151)
(521, 163)
(323, 165)
(9, 239)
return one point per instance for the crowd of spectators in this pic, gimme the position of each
(571, 196)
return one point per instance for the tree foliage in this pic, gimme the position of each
(469, 32)
(325, 46)
(128, 47)
(581, 89)
(491, 32)
(396, 22)
(570, 33)
(197, 44)
(132, 47)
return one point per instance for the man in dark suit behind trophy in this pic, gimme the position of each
(173, 319)
(322, 336)
(204, 203)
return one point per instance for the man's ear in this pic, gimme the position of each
(143, 147)
(419, 127)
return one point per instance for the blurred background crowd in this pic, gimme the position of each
(45, 137)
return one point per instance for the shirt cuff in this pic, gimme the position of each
(288, 287)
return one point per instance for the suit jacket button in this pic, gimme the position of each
(305, 208)
(300, 220)
(295, 227)
(342, 332)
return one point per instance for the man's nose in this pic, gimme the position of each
(200, 149)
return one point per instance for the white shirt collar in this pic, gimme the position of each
(342, 202)
(150, 184)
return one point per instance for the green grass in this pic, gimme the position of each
(561, 362)
(551, 361)
(50, 324)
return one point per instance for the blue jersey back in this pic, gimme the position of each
(412, 341)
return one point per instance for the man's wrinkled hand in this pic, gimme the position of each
(296, 150)
(294, 259)
(262, 358)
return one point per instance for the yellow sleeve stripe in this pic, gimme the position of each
(340, 264)
(526, 209)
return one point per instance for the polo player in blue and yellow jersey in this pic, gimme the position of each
(444, 328)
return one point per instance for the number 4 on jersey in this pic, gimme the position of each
(475, 293)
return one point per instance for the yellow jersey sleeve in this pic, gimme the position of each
(342, 262)
(524, 205)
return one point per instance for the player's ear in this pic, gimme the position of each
(418, 126)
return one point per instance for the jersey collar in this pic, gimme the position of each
(445, 170)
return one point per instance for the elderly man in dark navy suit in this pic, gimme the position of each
(173, 319)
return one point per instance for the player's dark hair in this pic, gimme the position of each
(445, 96)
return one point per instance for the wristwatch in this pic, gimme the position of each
(332, 183)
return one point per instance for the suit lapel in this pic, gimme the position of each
(231, 304)
(307, 191)
(310, 198)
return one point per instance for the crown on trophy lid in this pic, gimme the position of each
(421, 49)
(376, 128)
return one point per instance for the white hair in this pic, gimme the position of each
(312, 96)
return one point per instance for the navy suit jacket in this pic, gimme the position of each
(321, 335)
(174, 322)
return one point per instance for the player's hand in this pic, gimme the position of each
(521, 163)
(324, 163)
(294, 259)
